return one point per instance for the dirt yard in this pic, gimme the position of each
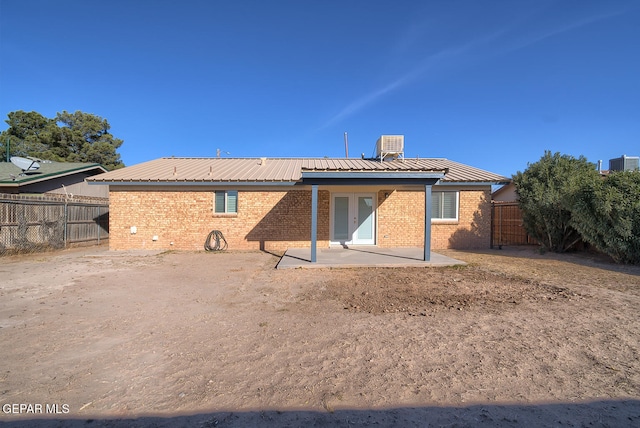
(93, 338)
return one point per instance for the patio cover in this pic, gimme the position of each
(424, 178)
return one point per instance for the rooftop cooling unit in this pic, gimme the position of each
(390, 146)
(624, 163)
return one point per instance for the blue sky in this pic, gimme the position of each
(487, 83)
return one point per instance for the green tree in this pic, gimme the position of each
(88, 139)
(69, 137)
(28, 133)
(607, 215)
(546, 191)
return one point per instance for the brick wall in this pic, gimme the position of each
(401, 221)
(274, 220)
(181, 220)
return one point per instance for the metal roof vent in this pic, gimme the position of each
(390, 146)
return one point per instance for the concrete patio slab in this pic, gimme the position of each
(362, 256)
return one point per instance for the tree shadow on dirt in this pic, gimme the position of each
(598, 413)
(463, 241)
(587, 258)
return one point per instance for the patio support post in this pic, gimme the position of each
(314, 221)
(427, 222)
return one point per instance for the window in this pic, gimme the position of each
(225, 202)
(444, 205)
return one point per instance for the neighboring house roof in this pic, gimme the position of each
(12, 176)
(250, 170)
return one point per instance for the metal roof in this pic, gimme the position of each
(12, 176)
(281, 170)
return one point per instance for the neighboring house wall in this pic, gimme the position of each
(81, 188)
(276, 219)
(67, 186)
(60, 186)
(506, 193)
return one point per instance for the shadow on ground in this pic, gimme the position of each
(592, 414)
(589, 258)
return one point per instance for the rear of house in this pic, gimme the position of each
(274, 204)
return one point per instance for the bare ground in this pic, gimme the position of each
(199, 339)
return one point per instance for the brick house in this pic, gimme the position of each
(273, 204)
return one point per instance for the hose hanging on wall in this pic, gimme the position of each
(215, 241)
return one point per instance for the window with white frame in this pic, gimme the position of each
(225, 202)
(444, 205)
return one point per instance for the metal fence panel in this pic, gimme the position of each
(40, 224)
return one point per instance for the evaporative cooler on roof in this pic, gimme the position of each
(390, 147)
(624, 163)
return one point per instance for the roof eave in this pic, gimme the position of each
(189, 182)
(372, 174)
(472, 183)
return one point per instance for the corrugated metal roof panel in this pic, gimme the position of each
(281, 169)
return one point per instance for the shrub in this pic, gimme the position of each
(607, 215)
(547, 190)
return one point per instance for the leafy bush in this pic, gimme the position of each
(547, 190)
(607, 215)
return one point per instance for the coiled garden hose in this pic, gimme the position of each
(215, 241)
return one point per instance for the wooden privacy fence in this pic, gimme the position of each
(37, 223)
(506, 225)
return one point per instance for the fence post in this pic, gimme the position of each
(493, 227)
(500, 230)
(98, 225)
(66, 221)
